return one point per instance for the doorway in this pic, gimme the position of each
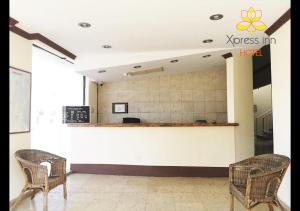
(262, 98)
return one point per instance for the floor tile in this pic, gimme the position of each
(91, 192)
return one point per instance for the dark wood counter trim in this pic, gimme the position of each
(156, 171)
(155, 125)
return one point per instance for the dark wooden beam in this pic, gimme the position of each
(20, 32)
(227, 55)
(277, 24)
(40, 37)
(12, 22)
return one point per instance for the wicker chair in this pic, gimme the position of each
(36, 175)
(257, 179)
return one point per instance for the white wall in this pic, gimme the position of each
(262, 98)
(230, 89)
(91, 100)
(240, 103)
(47, 101)
(281, 98)
(20, 54)
(158, 146)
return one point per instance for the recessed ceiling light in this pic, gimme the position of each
(207, 41)
(216, 17)
(137, 66)
(205, 56)
(106, 46)
(174, 61)
(101, 71)
(84, 24)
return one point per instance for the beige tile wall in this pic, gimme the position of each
(173, 98)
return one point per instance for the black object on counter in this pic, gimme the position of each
(131, 120)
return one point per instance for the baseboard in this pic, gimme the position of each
(69, 173)
(156, 171)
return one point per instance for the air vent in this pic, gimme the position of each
(101, 71)
(146, 71)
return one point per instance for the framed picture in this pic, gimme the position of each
(120, 108)
(19, 100)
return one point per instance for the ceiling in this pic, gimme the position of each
(189, 63)
(147, 33)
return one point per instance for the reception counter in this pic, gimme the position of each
(153, 149)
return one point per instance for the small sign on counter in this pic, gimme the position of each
(76, 114)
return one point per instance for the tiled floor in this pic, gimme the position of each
(87, 192)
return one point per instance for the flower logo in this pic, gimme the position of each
(251, 21)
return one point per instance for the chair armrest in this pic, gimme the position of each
(54, 157)
(58, 167)
(47, 156)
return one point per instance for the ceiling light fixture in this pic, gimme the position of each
(106, 46)
(84, 24)
(174, 61)
(101, 71)
(137, 66)
(216, 17)
(206, 56)
(142, 72)
(207, 41)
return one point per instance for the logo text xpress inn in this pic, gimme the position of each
(251, 22)
(249, 40)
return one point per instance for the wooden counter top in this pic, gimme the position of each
(153, 125)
